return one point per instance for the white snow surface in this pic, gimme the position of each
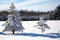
(33, 33)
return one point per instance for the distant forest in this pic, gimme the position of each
(50, 15)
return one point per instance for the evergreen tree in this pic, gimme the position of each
(42, 24)
(14, 21)
(57, 12)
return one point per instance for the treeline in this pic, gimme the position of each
(3, 15)
(54, 15)
(31, 13)
(26, 15)
(50, 15)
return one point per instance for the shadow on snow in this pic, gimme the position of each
(1, 33)
(50, 35)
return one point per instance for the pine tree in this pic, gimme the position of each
(14, 21)
(42, 24)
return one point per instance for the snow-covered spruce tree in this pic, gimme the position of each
(14, 21)
(42, 24)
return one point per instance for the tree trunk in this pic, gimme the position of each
(13, 31)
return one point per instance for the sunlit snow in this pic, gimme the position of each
(33, 33)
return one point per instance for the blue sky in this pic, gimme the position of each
(35, 5)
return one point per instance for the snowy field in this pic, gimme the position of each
(32, 33)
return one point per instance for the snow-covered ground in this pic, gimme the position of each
(32, 33)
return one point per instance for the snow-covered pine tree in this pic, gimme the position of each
(14, 21)
(42, 24)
